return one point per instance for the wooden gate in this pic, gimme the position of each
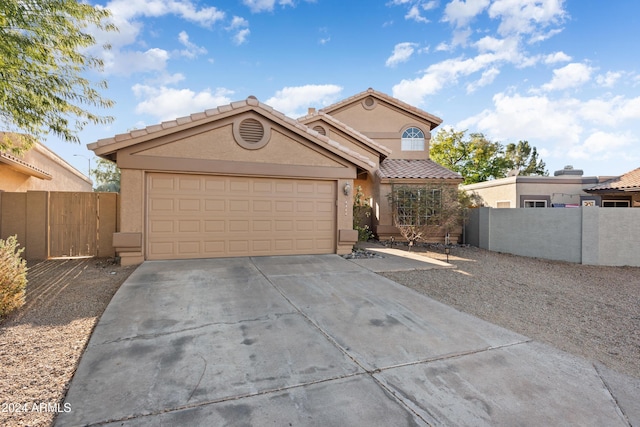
(73, 224)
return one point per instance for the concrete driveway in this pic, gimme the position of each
(315, 340)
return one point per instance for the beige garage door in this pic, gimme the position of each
(203, 216)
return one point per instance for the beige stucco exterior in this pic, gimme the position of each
(512, 192)
(246, 145)
(40, 169)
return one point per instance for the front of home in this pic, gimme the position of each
(246, 180)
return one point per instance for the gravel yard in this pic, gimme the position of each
(593, 312)
(589, 311)
(41, 343)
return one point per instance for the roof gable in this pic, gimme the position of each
(408, 109)
(109, 147)
(337, 124)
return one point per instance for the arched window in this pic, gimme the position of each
(412, 139)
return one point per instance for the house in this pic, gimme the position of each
(40, 169)
(619, 192)
(246, 180)
(567, 188)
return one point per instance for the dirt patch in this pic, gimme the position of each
(41, 343)
(589, 311)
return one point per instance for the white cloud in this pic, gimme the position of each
(240, 26)
(414, 14)
(238, 22)
(185, 9)
(526, 16)
(257, 6)
(557, 57)
(605, 142)
(294, 101)
(609, 79)
(168, 103)
(487, 78)
(569, 76)
(560, 127)
(460, 12)
(241, 36)
(192, 50)
(127, 63)
(401, 53)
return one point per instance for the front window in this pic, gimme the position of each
(616, 204)
(416, 206)
(535, 203)
(412, 139)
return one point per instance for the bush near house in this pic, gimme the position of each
(13, 276)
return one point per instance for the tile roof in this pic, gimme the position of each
(630, 181)
(23, 166)
(417, 169)
(390, 99)
(109, 145)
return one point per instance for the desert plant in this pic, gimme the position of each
(361, 215)
(13, 275)
(423, 211)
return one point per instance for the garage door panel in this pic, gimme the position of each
(201, 216)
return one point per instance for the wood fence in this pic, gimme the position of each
(60, 224)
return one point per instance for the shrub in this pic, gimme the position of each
(13, 276)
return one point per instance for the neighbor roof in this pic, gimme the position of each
(106, 147)
(415, 169)
(435, 121)
(630, 181)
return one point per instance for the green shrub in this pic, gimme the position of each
(13, 276)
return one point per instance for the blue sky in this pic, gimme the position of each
(561, 74)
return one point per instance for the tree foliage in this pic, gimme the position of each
(43, 60)
(524, 159)
(477, 159)
(107, 176)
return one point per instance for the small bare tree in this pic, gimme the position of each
(424, 211)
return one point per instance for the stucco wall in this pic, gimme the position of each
(64, 176)
(598, 236)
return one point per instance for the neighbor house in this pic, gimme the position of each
(40, 169)
(246, 180)
(567, 188)
(619, 192)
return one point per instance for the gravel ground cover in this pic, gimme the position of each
(589, 311)
(41, 343)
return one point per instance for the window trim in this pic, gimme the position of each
(535, 201)
(616, 201)
(413, 142)
(406, 216)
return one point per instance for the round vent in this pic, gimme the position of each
(320, 130)
(251, 133)
(369, 103)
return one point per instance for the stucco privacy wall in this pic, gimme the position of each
(591, 235)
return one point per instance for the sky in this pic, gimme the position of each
(561, 74)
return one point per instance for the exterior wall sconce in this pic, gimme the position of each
(347, 189)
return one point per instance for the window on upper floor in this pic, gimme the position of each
(535, 203)
(616, 204)
(412, 139)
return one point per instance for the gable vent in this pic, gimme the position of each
(251, 131)
(369, 103)
(320, 130)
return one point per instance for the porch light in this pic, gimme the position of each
(347, 189)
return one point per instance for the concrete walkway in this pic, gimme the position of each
(315, 340)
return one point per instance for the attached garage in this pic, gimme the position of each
(238, 180)
(207, 216)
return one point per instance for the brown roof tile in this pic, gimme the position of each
(417, 169)
(630, 181)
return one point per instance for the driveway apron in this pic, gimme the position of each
(314, 340)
